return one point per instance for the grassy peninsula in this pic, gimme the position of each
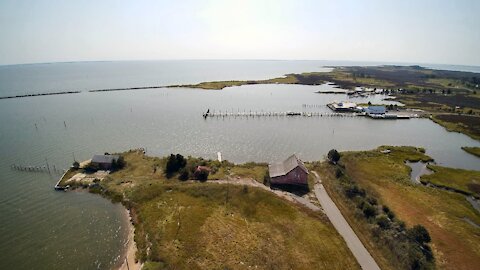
(382, 178)
(462, 181)
(452, 97)
(202, 224)
(227, 218)
(472, 150)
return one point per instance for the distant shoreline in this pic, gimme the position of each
(41, 94)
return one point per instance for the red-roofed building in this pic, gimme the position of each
(291, 172)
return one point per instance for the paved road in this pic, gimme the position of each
(362, 255)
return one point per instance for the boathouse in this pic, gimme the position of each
(289, 173)
(104, 162)
(375, 110)
(342, 106)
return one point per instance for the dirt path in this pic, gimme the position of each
(362, 255)
(286, 195)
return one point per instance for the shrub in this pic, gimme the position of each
(383, 221)
(369, 211)
(184, 174)
(338, 173)
(76, 165)
(333, 156)
(202, 175)
(266, 179)
(91, 167)
(118, 164)
(419, 234)
(353, 190)
(372, 201)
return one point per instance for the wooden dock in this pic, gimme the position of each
(58, 186)
(253, 114)
(38, 169)
(217, 114)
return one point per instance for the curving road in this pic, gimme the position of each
(362, 255)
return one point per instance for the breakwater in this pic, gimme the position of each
(126, 89)
(41, 94)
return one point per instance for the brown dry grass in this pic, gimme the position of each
(456, 243)
(194, 225)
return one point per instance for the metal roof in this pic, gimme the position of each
(104, 158)
(376, 109)
(282, 168)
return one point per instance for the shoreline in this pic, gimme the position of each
(128, 254)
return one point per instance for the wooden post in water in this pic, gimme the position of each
(48, 167)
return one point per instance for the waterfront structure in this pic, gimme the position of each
(342, 106)
(104, 162)
(375, 110)
(291, 172)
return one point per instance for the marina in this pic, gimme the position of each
(276, 114)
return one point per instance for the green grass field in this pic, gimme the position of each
(465, 181)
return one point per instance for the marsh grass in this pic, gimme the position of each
(472, 150)
(455, 242)
(466, 124)
(464, 181)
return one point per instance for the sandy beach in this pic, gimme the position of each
(129, 257)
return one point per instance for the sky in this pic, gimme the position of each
(421, 31)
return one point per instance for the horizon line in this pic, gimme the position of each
(235, 59)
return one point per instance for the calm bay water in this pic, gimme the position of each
(43, 229)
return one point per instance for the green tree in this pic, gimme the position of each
(174, 164)
(333, 156)
(76, 165)
(119, 163)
